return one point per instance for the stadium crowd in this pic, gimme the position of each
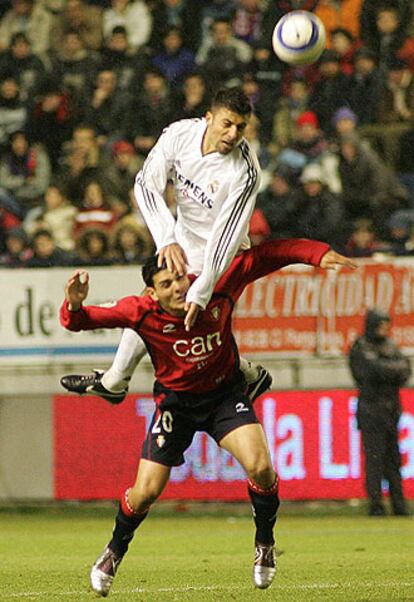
(86, 88)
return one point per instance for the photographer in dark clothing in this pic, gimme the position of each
(380, 369)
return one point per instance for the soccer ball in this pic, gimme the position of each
(299, 38)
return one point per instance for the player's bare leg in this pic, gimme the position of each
(133, 509)
(249, 446)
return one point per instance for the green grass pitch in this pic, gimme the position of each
(207, 556)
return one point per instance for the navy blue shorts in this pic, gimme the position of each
(180, 415)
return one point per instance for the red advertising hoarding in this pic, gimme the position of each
(303, 310)
(312, 435)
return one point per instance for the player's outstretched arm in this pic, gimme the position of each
(174, 257)
(76, 289)
(335, 261)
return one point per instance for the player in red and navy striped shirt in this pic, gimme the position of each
(198, 386)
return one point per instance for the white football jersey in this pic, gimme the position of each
(215, 197)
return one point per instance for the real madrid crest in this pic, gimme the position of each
(213, 187)
(160, 440)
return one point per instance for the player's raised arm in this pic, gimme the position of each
(149, 189)
(76, 289)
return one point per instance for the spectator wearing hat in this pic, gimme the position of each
(401, 227)
(363, 241)
(120, 175)
(319, 212)
(365, 86)
(311, 146)
(344, 121)
(331, 91)
(395, 112)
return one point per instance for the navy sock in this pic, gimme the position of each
(265, 504)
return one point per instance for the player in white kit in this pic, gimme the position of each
(216, 176)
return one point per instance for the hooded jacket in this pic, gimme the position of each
(379, 370)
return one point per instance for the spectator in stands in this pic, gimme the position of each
(365, 87)
(247, 20)
(106, 108)
(267, 70)
(58, 217)
(16, 253)
(93, 247)
(25, 171)
(131, 241)
(73, 65)
(174, 60)
(82, 17)
(344, 14)
(395, 112)
(30, 18)
(51, 119)
(368, 17)
(95, 209)
(26, 67)
(370, 188)
(363, 241)
(8, 220)
(150, 112)
(13, 112)
(193, 99)
(184, 14)
(331, 91)
(45, 252)
(345, 45)
(222, 57)
(345, 122)
(120, 175)
(117, 55)
(83, 158)
(288, 109)
(390, 40)
(379, 370)
(319, 212)
(401, 227)
(134, 16)
(279, 204)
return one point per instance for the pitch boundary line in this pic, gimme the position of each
(212, 588)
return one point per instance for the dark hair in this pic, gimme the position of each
(150, 268)
(19, 36)
(233, 99)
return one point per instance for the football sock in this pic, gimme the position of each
(265, 503)
(249, 370)
(130, 351)
(126, 522)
